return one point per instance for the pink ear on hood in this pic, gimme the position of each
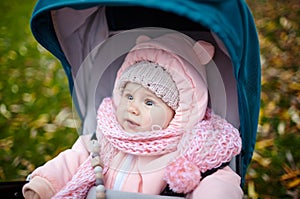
(204, 50)
(142, 38)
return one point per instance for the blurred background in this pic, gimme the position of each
(36, 119)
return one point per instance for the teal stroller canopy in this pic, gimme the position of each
(57, 25)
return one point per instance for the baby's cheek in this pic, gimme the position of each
(160, 118)
(120, 113)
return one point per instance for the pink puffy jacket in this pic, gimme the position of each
(51, 177)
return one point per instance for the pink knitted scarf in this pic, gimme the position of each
(80, 184)
(113, 138)
(210, 143)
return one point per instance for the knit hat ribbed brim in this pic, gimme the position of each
(153, 77)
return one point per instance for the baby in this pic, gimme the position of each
(140, 109)
(155, 134)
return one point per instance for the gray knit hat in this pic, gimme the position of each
(153, 77)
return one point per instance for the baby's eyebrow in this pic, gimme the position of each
(151, 95)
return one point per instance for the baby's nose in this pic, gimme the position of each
(133, 108)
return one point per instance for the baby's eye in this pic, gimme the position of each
(149, 103)
(129, 97)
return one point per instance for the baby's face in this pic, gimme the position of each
(141, 110)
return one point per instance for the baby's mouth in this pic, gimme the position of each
(132, 123)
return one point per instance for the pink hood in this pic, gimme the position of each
(184, 59)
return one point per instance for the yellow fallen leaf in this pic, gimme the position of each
(41, 121)
(265, 162)
(294, 86)
(294, 183)
(264, 143)
(290, 175)
(251, 190)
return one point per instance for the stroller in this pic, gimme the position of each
(71, 29)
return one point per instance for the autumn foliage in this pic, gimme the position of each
(36, 110)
